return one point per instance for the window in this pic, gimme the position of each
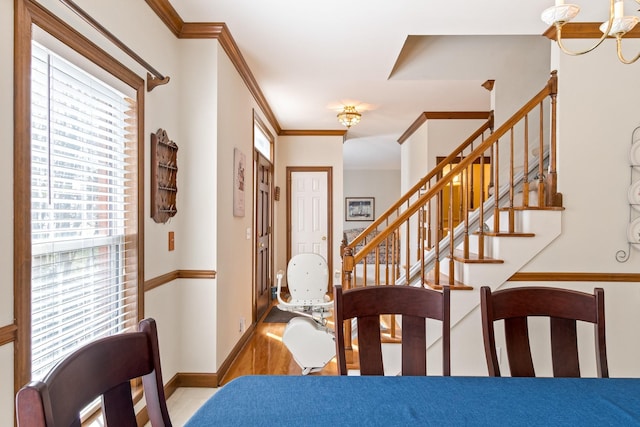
(262, 139)
(83, 209)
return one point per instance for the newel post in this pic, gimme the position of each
(347, 267)
(347, 270)
(553, 198)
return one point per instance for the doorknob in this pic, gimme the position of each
(324, 237)
(262, 245)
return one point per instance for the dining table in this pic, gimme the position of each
(272, 400)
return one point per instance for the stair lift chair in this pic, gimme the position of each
(309, 340)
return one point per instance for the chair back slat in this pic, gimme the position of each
(369, 345)
(563, 307)
(415, 305)
(516, 333)
(103, 368)
(414, 341)
(118, 406)
(564, 348)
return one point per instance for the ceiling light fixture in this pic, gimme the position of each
(616, 26)
(349, 116)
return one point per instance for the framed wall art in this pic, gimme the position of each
(239, 171)
(164, 171)
(359, 208)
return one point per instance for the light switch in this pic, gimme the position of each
(249, 233)
(172, 242)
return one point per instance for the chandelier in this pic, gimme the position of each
(349, 116)
(616, 26)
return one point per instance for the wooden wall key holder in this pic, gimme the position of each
(164, 171)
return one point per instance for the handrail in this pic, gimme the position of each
(547, 193)
(420, 184)
(475, 217)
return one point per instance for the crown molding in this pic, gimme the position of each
(167, 14)
(220, 32)
(443, 115)
(584, 30)
(292, 132)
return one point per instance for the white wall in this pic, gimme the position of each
(195, 224)
(384, 185)
(6, 194)
(523, 73)
(435, 138)
(299, 151)
(595, 122)
(594, 137)
(235, 251)
(445, 135)
(414, 158)
(6, 161)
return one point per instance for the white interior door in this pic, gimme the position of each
(309, 212)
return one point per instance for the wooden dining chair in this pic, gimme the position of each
(414, 304)
(563, 307)
(101, 368)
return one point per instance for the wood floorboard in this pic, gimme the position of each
(265, 354)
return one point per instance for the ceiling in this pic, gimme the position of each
(393, 60)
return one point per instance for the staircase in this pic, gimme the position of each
(539, 229)
(498, 231)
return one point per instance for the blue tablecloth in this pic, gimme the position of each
(426, 401)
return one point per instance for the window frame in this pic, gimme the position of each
(258, 125)
(27, 15)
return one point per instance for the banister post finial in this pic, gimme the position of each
(347, 267)
(553, 83)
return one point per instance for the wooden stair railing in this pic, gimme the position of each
(391, 243)
(414, 225)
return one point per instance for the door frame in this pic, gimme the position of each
(256, 244)
(257, 122)
(329, 172)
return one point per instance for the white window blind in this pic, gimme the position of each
(83, 210)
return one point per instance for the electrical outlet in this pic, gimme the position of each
(242, 324)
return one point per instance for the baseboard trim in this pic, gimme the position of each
(224, 368)
(199, 379)
(195, 379)
(180, 380)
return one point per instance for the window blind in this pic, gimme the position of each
(83, 209)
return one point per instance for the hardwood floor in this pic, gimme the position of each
(265, 354)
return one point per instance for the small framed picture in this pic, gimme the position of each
(359, 208)
(239, 167)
